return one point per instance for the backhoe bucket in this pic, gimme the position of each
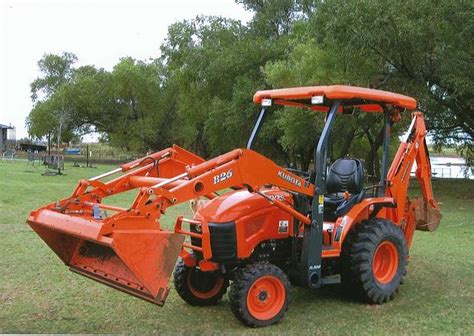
(136, 261)
(427, 218)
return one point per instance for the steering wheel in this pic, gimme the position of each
(300, 173)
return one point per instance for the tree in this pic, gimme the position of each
(56, 71)
(276, 18)
(142, 118)
(309, 63)
(271, 18)
(42, 121)
(424, 48)
(391, 45)
(198, 93)
(213, 63)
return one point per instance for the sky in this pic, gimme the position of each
(99, 32)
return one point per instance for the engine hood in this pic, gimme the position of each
(236, 204)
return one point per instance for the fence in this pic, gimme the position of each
(449, 167)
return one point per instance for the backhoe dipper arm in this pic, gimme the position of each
(412, 149)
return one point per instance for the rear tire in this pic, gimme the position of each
(260, 294)
(199, 288)
(374, 259)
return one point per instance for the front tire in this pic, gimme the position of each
(199, 288)
(374, 259)
(260, 294)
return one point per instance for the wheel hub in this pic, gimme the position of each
(266, 297)
(385, 262)
(262, 296)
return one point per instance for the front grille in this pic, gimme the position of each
(195, 241)
(223, 241)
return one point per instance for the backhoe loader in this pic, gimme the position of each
(264, 227)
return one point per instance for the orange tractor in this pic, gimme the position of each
(263, 225)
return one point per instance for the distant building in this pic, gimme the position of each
(32, 147)
(4, 136)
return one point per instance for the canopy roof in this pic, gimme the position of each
(367, 100)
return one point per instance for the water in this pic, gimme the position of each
(449, 167)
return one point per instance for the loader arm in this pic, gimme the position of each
(181, 178)
(414, 214)
(240, 167)
(164, 164)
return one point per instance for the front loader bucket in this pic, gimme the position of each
(427, 218)
(136, 261)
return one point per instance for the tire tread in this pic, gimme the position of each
(357, 253)
(180, 278)
(244, 278)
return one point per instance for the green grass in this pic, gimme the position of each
(38, 294)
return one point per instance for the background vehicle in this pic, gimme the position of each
(275, 225)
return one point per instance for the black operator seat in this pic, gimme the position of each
(343, 175)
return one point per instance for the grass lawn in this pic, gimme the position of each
(38, 294)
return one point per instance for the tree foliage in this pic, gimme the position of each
(55, 71)
(50, 116)
(423, 48)
(198, 92)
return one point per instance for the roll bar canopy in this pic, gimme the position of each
(367, 100)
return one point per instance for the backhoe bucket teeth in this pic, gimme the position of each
(427, 218)
(136, 261)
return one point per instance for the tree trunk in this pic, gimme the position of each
(372, 163)
(306, 160)
(49, 144)
(346, 145)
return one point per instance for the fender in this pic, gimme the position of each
(367, 208)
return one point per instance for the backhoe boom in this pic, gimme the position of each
(422, 213)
